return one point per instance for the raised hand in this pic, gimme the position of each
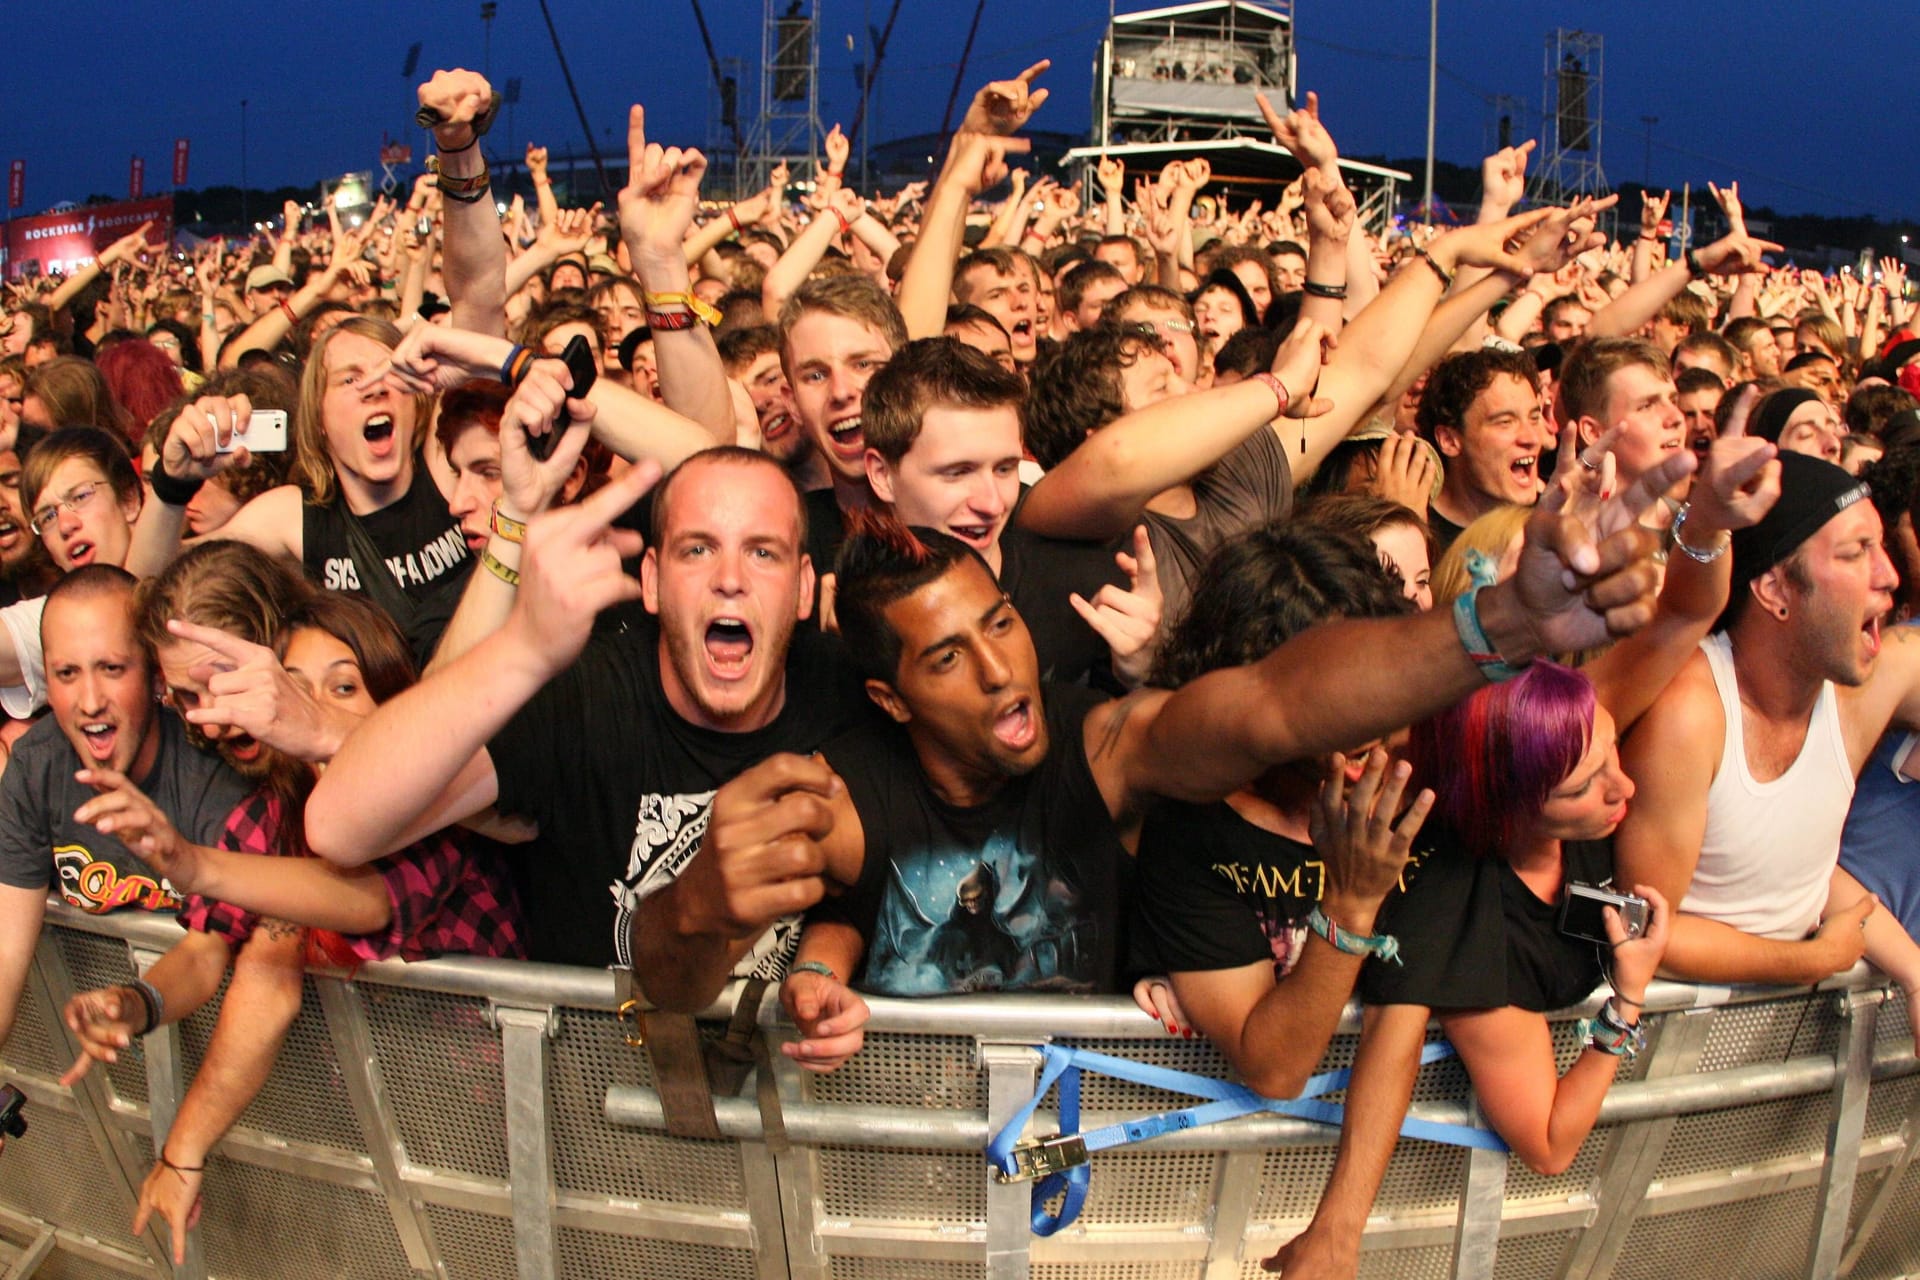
(1503, 176)
(1728, 198)
(978, 161)
(250, 691)
(1653, 211)
(458, 98)
(1330, 207)
(1112, 175)
(194, 442)
(1489, 244)
(570, 570)
(831, 1016)
(1301, 132)
(1361, 847)
(1736, 253)
(662, 193)
(839, 147)
(1586, 571)
(1739, 479)
(569, 230)
(528, 485)
(1003, 106)
(125, 248)
(536, 161)
(1129, 620)
(1553, 245)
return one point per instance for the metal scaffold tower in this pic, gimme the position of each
(1572, 107)
(787, 126)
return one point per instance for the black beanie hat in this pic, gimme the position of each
(1771, 415)
(1812, 492)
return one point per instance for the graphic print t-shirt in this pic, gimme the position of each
(41, 844)
(621, 786)
(1020, 893)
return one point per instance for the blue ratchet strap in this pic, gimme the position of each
(1060, 1162)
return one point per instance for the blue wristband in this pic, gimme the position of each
(1384, 945)
(1466, 622)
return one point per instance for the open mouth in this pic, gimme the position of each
(100, 739)
(378, 433)
(1525, 470)
(1022, 332)
(1871, 633)
(8, 531)
(79, 553)
(776, 426)
(847, 440)
(729, 644)
(242, 748)
(1015, 727)
(977, 536)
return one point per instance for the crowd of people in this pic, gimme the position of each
(985, 586)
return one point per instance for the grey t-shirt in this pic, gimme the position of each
(1249, 488)
(40, 842)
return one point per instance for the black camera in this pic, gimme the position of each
(12, 1123)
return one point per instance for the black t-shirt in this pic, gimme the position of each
(1474, 936)
(1219, 892)
(418, 539)
(1020, 893)
(1444, 530)
(621, 786)
(826, 529)
(1039, 574)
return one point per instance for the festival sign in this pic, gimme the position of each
(65, 242)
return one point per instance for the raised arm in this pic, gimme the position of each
(1102, 487)
(656, 208)
(121, 250)
(422, 755)
(21, 912)
(1733, 254)
(474, 259)
(1350, 681)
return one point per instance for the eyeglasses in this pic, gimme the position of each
(76, 501)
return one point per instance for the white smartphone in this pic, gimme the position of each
(266, 433)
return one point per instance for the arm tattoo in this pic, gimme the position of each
(278, 929)
(1117, 716)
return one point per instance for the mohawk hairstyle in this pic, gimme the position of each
(882, 561)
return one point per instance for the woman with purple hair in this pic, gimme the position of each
(1528, 791)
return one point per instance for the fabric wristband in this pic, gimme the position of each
(171, 490)
(1383, 945)
(514, 531)
(672, 321)
(493, 565)
(1314, 289)
(682, 298)
(1481, 572)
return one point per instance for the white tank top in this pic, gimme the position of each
(1771, 846)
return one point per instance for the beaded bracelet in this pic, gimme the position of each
(1446, 278)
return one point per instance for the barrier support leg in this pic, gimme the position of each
(1477, 1235)
(1634, 1150)
(1853, 1065)
(1012, 1071)
(523, 1059)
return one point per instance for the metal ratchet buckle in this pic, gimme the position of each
(633, 1014)
(1038, 1158)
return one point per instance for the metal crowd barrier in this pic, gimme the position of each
(468, 1118)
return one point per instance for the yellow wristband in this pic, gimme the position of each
(493, 566)
(514, 531)
(693, 304)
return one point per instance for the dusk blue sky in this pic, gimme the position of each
(1805, 107)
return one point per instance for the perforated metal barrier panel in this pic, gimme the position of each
(475, 1120)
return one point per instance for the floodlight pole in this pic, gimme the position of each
(1433, 82)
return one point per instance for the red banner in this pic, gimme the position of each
(136, 178)
(179, 162)
(16, 184)
(62, 242)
